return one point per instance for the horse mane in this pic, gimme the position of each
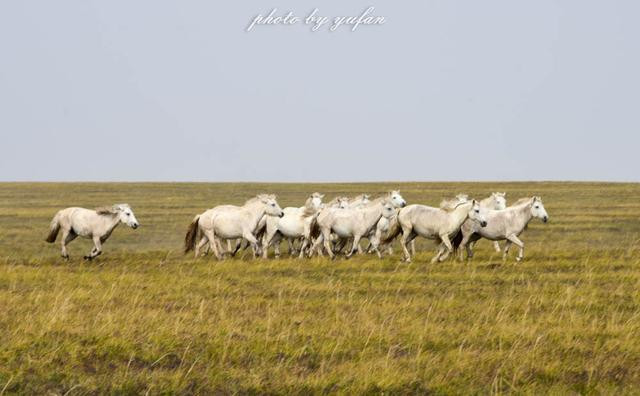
(377, 200)
(251, 200)
(105, 210)
(449, 205)
(259, 197)
(521, 201)
(386, 196)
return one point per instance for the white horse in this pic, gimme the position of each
(384, 224)
(503, 224)
(94, 224)
(496, 201)
(230, 222)
(296, 223)
(351, 223)
(439, 224)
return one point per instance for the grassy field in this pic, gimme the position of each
(144, 318)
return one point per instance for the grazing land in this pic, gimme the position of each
(143, 317)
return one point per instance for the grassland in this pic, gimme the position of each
(145, 318)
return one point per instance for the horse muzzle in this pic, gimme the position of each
(135, 225)
(281, 214)
(483, 223)
(545, 219)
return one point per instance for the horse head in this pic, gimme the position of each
(125, 214)
(538, 210)
(396, 199)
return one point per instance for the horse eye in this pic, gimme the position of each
(477, 211)
(274, 205)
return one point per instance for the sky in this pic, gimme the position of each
(156, 90)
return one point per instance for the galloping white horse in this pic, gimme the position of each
(94, 224)
(351, 223)
(384, 224)
(296, 223)
(437, 223)
(503, 224)
(231, 222)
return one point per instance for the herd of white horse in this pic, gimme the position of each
(318, 228)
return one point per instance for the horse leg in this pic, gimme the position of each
(292, 247)
(360, 251)
(97, 249)
(276, 244)
(507, 246)
(356, 245)
(339, 245)
(518, 243)
(305, 242)
(439, 251)
(316, 246)
(67, 236)
(374, 243)
(496, 246)
(219, 246)
(407, 236)
(375, 247)
(326, 236)
(213, 244)
(203, 241)
(464, 245)
(447, 243)
(267, 240)
(253, 241)
(413, 247)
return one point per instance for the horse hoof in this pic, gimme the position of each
(88, 258)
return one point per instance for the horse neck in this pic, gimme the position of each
(523, 214)
(376, 201)
(460, 214)
(488, 203)
(372, 213)
(308, 209)
(256, 210)
(111, 221)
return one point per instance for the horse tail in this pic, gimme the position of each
(54, 228)
(192, 233)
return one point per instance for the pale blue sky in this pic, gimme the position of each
(445, 90)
